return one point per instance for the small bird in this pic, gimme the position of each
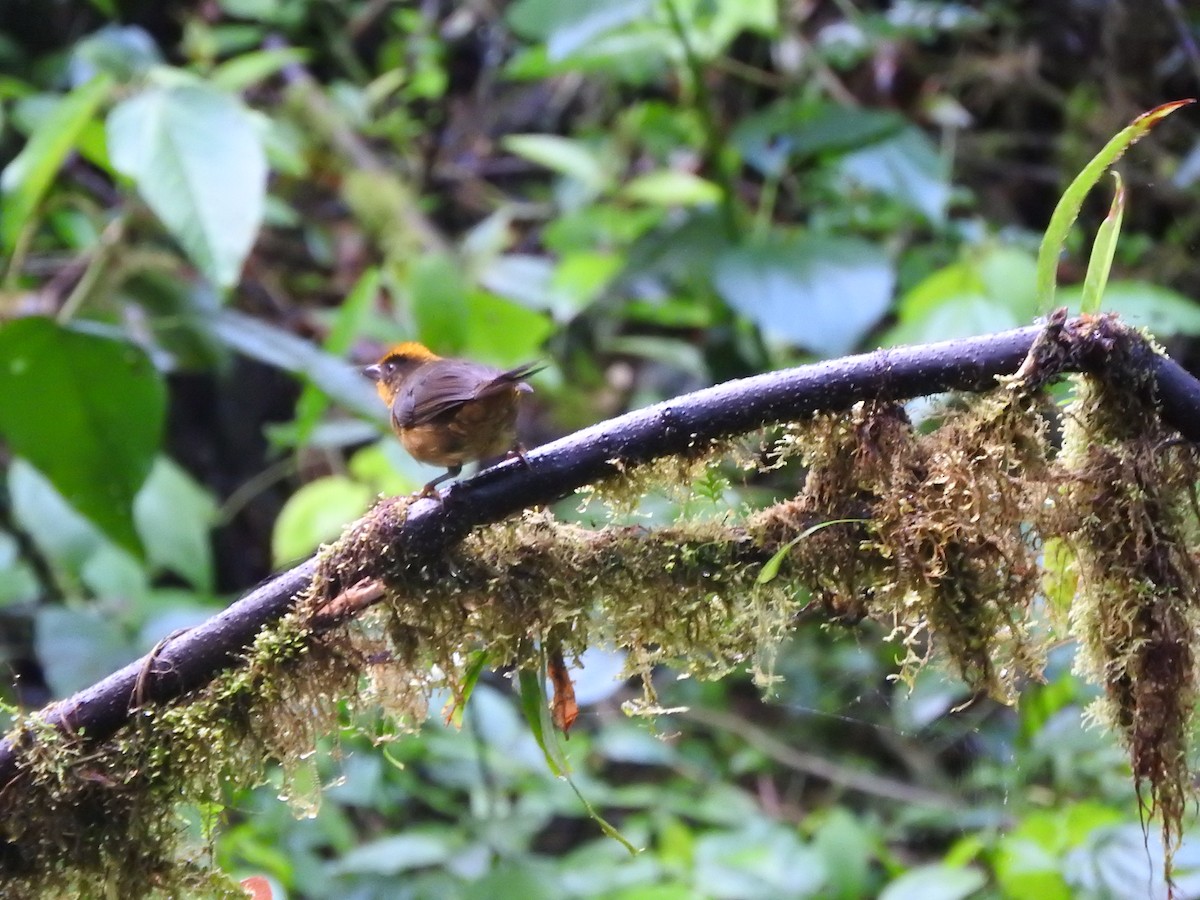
(447, 411)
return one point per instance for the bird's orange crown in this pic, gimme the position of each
(394, 366)
(410, 350)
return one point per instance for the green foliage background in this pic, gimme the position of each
(209, 211)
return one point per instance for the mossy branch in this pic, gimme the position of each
(685, 426)
(939, 534)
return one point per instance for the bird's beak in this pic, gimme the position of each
(373, 372)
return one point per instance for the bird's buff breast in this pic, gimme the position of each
(476, 430)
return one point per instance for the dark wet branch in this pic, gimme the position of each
(677, 426)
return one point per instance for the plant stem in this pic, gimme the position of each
(714, 142)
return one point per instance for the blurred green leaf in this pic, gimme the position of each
(504, 332)
(634, 55)
(18, 584)
(272, 345)
(670, 313)
(400, 853)
(439, 291)
(663, 351)
(174, 516)
(524, 278)
(196, 156)
(373, 467)
(570, 25)
(87, 411)
(78, 647)
(1083, 819)
(60, 532)
(845, 844)
(347, 323)
(935, 882)
(685, 252)
(527, 877)
(990, 289)
(113, 574)
(1030, 859)
(248, 69)
(124, 52)
(317, 512)
(566, 156)
(27, 177)
(762, 859)
(1160, 310)
(905, 167)
(712, 27)
(585, 275)
(1008, 276)
(820, 293)
(790, 130)
(671, 187)
(1112, 858)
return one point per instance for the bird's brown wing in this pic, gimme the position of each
(433, 393)
(447, 385)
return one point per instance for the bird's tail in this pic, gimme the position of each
(517, 376)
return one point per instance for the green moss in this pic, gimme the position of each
(935, 534)
(1127, 509)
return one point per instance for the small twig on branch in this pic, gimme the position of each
(678, 426)
(347, 604)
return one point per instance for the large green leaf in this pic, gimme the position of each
(197, 159)
(1159, 309)
(78, 647)
(26, 179)
(276, 347)
(990, 288)
(571, 25)
(174, 516)
(802, 128)
(566, 156)
(438, 288)
(906, 167)
(125, 52)
(311, 405)
(502, 332)
(316, 513)
(87, 411)
(935, 881)
(821, 293)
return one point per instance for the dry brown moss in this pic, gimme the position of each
(934, 535)
(937, 534)
(1128, 511)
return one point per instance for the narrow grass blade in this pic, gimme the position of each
(1069, 204)
(1102, 251)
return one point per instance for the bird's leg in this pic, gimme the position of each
(429, 489)
(518, 450)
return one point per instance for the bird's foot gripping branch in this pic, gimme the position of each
(977, 542)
